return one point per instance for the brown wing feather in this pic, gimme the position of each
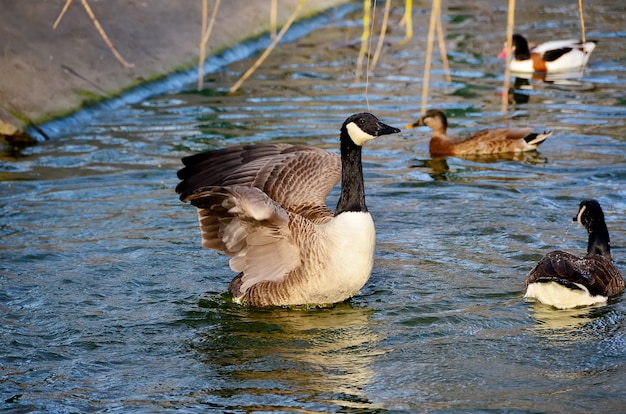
(491, 141)
(211, 168)
(250, 227)
(298, 178)
(596, 272)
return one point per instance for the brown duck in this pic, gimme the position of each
(485, 142)
(565, 281)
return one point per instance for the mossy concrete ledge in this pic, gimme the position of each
(46, 73)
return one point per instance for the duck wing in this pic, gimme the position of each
(493, 141)
(545, 47)
(554, 54)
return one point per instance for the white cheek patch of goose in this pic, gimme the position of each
(358, 136)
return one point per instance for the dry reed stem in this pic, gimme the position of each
(58, 20)
(381, 39)
(205, 16)
(582, 28)
(206, 34)
(408, 21)
(367, 4)
(507, 67)
(582, 21)
(269, 49)
(104, 36)
(101, 31)
(202, 54)
(273, 13)
(369, 53)
(442, 49)
(429, 52)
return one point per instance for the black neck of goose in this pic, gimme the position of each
(599, 241)
(352, 188)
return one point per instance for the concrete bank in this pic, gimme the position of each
(46, 73)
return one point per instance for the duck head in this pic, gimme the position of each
(519, 48)
(433, 118)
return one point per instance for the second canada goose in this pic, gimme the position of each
(264, 206)
(485, 142)
(552, 56)
(566, 281)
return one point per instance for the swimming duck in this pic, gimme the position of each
(552, 56)
(566, 281)
(264, 205)
(485, 142)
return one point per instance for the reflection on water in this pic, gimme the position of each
(562, 322)
(525, 83)
(439, 169)
(289, 358)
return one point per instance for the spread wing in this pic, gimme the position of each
(298, 178)
(250, 227)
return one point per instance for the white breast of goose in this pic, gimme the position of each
(349, 242)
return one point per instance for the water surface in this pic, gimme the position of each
(108, 303)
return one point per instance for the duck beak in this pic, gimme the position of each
(415, 124)
(505, 52)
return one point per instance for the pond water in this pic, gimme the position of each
(108, 302)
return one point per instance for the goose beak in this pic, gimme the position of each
(384, 129)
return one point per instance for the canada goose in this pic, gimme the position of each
(265, 206)
(488, 141)
(566, 281)
(552, 56)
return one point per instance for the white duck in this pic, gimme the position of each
(552, 56)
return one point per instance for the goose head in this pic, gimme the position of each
(433, 118)
(363, 127)
(589, 214)
(591, 217)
